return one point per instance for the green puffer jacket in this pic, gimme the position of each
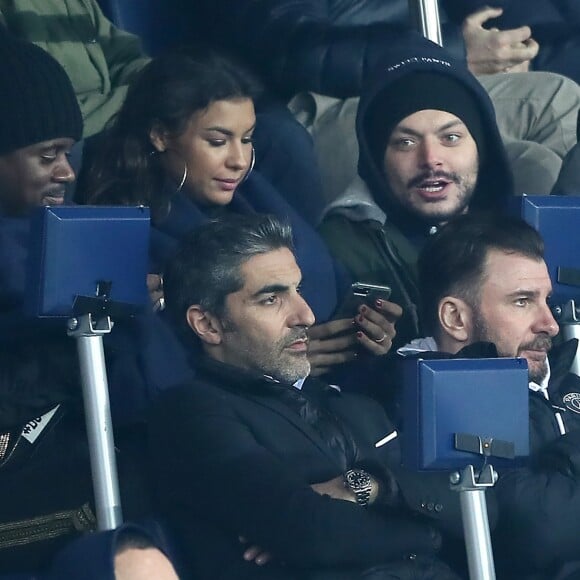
(100, 59)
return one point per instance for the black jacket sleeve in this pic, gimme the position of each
(323, 46)
(425, 494)
(540, 506)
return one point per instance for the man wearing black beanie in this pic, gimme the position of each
(430, 149)
(41, 121)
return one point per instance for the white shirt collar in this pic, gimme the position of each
(418, 345)
(543, 386)
(299, 383)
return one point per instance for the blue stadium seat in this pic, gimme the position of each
(161, 24)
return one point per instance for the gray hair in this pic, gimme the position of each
(207, 265)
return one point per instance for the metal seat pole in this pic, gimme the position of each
(89, 337)
(471, 489)
(424, 16)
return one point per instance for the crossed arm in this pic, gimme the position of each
(333, 488)
(252, 478)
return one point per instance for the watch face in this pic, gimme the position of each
(357, 478)
(359, 482)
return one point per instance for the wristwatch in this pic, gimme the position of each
(359, 482)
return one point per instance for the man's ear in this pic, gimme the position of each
(455, 319)
(204, 324)
(159, 137)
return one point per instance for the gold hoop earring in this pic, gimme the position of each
(183, 178)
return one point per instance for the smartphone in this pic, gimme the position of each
(361, 293)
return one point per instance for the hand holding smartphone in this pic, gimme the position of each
(361, 293)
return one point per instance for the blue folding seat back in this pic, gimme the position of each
(161, 24)
(557, 218)
(485, 398)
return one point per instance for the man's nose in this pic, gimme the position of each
(430, 153)
(302, 314)
(546, 322)
(63, 172)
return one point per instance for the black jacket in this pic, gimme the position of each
(234, 457)
(539, 527)
(325, 46)
(45, 471)
(539, 502)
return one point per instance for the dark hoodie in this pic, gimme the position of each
(367, 228)
(495, 180)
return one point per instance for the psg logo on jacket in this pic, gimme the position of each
(572, 402)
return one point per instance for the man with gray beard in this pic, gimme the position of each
(484, 279)
(268, 473)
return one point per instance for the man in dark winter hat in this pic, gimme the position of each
(430, 149)
(44, 452)
(426, 136)
(41, 122)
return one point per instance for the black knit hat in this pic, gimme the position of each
(416, 92)
(37, 99)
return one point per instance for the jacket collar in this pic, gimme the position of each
(236, 379)
(266, 391)
(356, 203)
